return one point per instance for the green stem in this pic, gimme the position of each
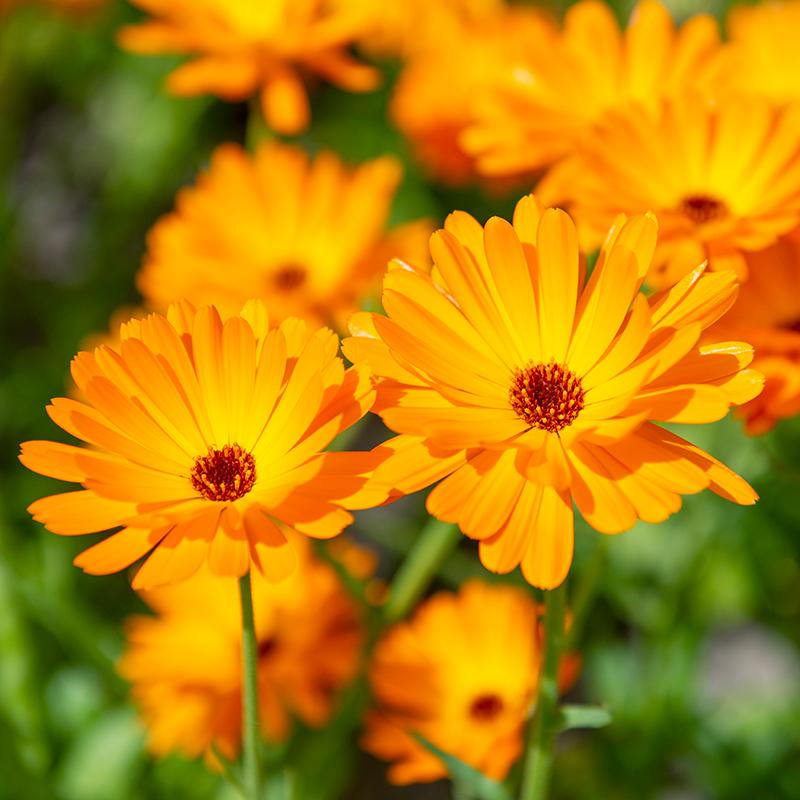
(539, 755)
(250, 733)
(436, 541)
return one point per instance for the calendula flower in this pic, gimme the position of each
(243, 48)
(767, 314)
(434, 99)
(307, 237)
(550, 104)
(462, 672)
(524, 387)
(764, 38)
(204, 434)
(723, 179)
(185, 662)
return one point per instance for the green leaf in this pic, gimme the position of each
(584, 717)
(468, 783)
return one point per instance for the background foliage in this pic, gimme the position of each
(693, 641)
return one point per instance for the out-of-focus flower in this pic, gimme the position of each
(551, 104)
(203, 434)
(523, 387)
(434, 98)
(767, 314)
(185, 663)
(764, 39)
(68, 6)
(244, 47)
(722, 179)
(308, 237)
(462, 672)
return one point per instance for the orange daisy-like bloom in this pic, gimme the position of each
(204, 435)
(764, 37)
(306, 237)
(723, 179)
(244, 47)
(523, 387)
(462, 672)
(767, 314)
(550, 104)
(185, 663)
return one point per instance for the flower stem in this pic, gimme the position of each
(250, 733)
(539, 755)
(436, 541)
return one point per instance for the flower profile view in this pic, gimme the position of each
(551, 102)
(204, 437)
(524, 387)
(185, 662)
(243, 48)
(462, 672)
(306, 236)
(722, 178)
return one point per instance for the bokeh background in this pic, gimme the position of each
(692, 639)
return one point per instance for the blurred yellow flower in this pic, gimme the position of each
(551, 103)
(722, 178)
(462, 672)
(244, 47)
(185, 662)
(307, 237)
(524, 387)
(201, 434)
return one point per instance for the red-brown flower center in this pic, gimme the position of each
(485, 707)
(225, 474)
(702, 208)
(266, 647)
(289, 277)
(546, 396)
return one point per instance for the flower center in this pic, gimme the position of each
(546, 396)
(266, 647)
(485, 707)
(225, 474)
(290, 277)
(702, 208)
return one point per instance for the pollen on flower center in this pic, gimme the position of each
(485, 707)
(702, 208)
(225, 474)
(290, 277)
(546, 396)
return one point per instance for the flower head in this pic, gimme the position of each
(244, 47)
(462, 672)
(204, 437)
(307, 237)
(185, 662)
(524, 387)
(550, 102)
(723, 179)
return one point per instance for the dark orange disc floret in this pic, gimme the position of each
(546, 396)
(702, 208)
(486, 707)
(225, 474)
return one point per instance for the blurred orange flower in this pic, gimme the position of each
(552, 102)
(185, 663)
(462, 672)
(767, 314)
(244, 47)
(524, 387)
(306, 237)
(203, 434)
(723, 179)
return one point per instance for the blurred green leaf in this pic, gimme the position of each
(584, 717)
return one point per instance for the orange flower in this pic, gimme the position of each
(462, 672)
(767, 314)
(550, 104)
(722, 179)
(306, 237)
(203, 435)
(764, 38)
(524, 387)
(185, 663)
(244, 47)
